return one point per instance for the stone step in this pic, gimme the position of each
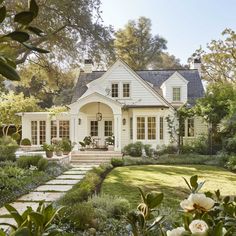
(40, 196)
(53, 188)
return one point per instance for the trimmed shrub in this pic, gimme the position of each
(8, 147)
(113, 206)
(42, 164)
(230, 145)
(231, 164)
(117, 162)
(170, 149)
(25, 142)
(16, 137)
(148, 150)
(134, 149)
(26, 161)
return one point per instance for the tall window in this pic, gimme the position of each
(126, 90)
(131, 127)
(94, 128)
(151, 128)
(34, 132)
(190, 127)
(53, 129)
(64, 129)
(161, 128)
(42, 132)
(176, 95)
(115, 90)
(140, 127)
(108, 128)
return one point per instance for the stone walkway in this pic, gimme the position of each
(49, 192)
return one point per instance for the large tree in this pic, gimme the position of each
(136, 45)
(47, 82)
(10, 104)
(219, 59)
(71, 28)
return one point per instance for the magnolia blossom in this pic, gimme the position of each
(175, 232)
(198, 227)
(197, 201)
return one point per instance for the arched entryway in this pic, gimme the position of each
(96, 116)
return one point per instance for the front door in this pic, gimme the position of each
(100, 130)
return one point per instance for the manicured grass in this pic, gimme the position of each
(123, 181)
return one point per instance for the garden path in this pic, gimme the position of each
(49, 192)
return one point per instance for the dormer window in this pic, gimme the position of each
(126, 90)
(115, 90)
(176, 94)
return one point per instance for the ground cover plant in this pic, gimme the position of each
(18, 178)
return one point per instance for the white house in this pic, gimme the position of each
(131, 105)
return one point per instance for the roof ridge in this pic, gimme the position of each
(153, 70)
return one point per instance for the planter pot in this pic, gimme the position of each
(66, 153)
(58, 153)
(110, 148)
(49, 154)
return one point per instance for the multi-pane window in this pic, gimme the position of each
(151, 128)
(42, 132)
(34, 132)
(176, 94)
(126, 90)
(161, 128)
(64, 129)
(140, 127)
(94, 128)
(108, 128)
(115, 90)
(190, 127)
(53, 129)
(131, 127)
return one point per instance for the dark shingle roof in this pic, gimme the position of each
(156, 77)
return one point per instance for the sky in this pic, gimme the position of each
(185, 24)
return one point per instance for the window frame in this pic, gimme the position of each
(161, 128)
(115, 83)
(109, 128)
(143, 137)
(64, 133)
(91, 128)
(151, 130)
(174, 94)
(123, 84)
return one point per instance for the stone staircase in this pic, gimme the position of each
(93, 157)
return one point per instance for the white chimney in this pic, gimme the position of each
(88, 66)
(196, 64)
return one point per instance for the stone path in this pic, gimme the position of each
(49, 192)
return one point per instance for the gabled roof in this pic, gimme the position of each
(155, 77)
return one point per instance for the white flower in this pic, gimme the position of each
(175, 232)
(198, 227)
(197, 201)
(224, 231)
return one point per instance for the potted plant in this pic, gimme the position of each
(87, 140)
(57, 143)
(48, 148)
(66, 146)
(110, 143)
(82, 144)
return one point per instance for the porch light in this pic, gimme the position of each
(99, 114)
(124, 121)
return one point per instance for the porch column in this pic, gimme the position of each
(117, 131)
(74, 130)
(48, 130)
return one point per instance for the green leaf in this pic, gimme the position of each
(23, 232)
(226, 199)
(8, 72)
(218, 229)
(193, 181)
(24, 17)
(33, 48)
(3, 13)
(187, 183)
(2, 233)
(34, 7)
(37, 218)
(154, 199)
(35, 30)
(18, 36)
(142, 195)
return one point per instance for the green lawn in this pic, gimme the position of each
(123, 181)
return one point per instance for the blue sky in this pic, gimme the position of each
(186, 24)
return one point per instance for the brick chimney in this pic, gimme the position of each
(88, 66)
(196, 64)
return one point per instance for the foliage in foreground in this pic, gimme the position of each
(206, 214)
(33, 223)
